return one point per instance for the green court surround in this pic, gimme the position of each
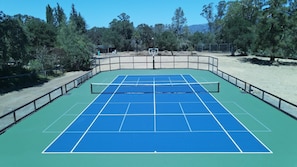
(22, 144)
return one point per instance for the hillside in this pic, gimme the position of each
(198, 28)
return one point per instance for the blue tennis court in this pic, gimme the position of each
(156, 114)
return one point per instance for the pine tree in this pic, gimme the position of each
(50, 15)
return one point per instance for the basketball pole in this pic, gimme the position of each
(153, 52)
(153, 60)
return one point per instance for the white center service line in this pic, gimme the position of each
(154, 101)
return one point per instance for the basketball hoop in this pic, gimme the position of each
(153, 52)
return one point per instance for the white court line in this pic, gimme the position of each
(71, 123)
(123, 120)
(238, 120)
(49, 126)
(97, 116)
(245, 113)
(158, 131)
(268, 129)
(181, 107)
(219, 123)
(242, 125)
(154, 101)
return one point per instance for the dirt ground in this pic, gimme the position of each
(15, 99)
(279, 79)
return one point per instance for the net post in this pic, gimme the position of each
(92, 89)
(218, 86)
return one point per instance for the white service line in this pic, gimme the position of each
(97, 116)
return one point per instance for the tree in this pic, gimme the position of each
(208, 14)
(60, 17)
(122, 28)
(159, 29)
(136, 41)
(76, 46)
(13, 41)
(95, 34)
(167, 41)
(179, 22)
(44, 60)
(39, 34)
(2, 16)
(272, 28)
(218, 21)
(291, 31)
(180, 29)
(146, 34)
(50, 19)
(78, 21)
(237, 26)
(196, 39)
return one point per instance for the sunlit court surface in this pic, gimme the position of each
(178, 117)
(156, 114)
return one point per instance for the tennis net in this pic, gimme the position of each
(160, 88)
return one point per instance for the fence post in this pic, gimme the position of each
(50, 98)
(14, 117)
(34, 102)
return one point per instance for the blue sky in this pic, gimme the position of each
(101, 12)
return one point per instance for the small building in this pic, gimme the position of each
(105, 49)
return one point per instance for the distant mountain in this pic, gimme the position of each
(199, 28)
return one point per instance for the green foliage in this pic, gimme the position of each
(76, 46)
(167, 41)
(59, 15)
(208, 14)
(39, 33)
(144, 35)
(260, 27)
(272, 27)
(236, 27)
(13, 42)
(95, 34)
(123, 30)
(78, 20)
(179, 22)
(50, 19)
